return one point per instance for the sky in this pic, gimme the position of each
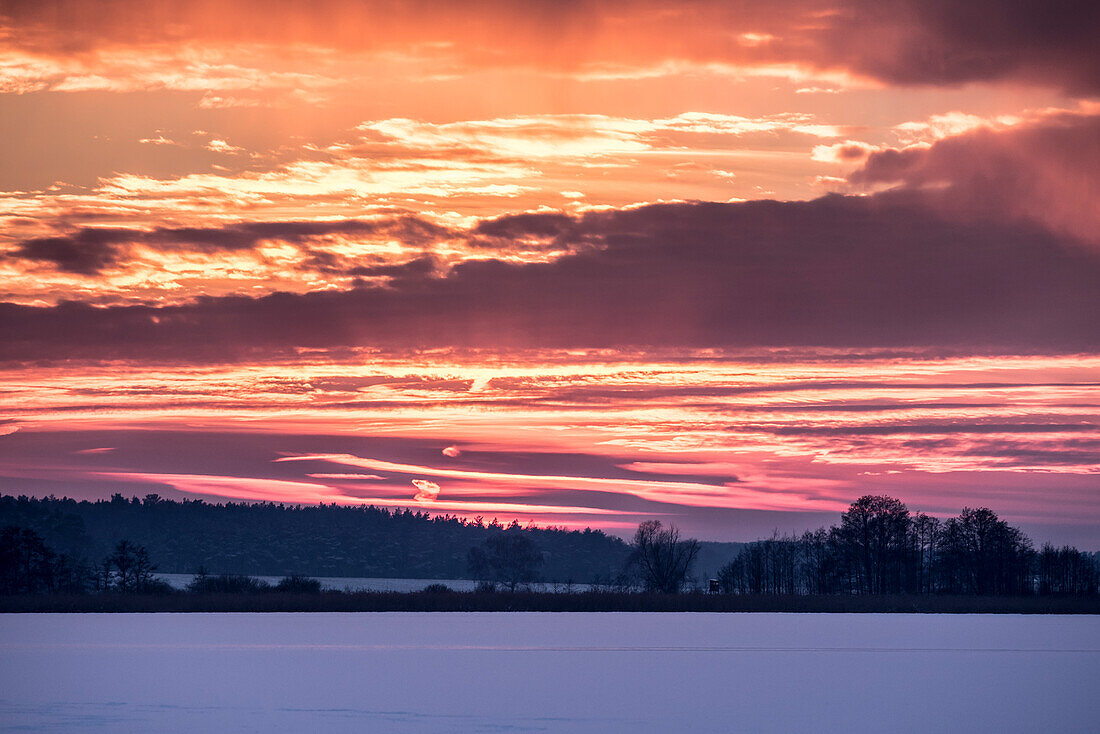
(725, 264)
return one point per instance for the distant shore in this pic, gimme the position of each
(543, 602)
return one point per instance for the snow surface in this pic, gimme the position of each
(448, 672)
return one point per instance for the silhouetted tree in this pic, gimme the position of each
(926, 533)
(269, 539)
(982, 554)
(129, 569)
(26, 564)
(818, 566)
(879, 548)
(1066, 571)
(509, 558)
(29, 566)
(662, 559)
(874, 532)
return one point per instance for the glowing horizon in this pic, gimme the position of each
(729, 264)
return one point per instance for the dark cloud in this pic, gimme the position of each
(416, 268)
(856, 272)
(85, 252)
(1044, 172)
(525, 225)
(91, 250)
(1028, 455)
(851, 152)
(598, 393)
(949, 42)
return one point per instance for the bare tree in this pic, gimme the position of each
(663, 560)
(129, 568)
(874, 530)
(983, 554)
(509, 558)
(926, 534)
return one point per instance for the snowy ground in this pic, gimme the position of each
(549, 672)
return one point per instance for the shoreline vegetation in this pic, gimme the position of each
(529, 601)
(880, 558)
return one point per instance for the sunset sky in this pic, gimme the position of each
(585, 263)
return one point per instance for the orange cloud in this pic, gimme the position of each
(851, 37)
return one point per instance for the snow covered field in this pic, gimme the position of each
(451, 672)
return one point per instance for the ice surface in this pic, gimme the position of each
(448, 672)
(355, 583)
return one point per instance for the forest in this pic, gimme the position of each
(879, 548)
(285, 540)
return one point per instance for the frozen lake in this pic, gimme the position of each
(355, 583)
(407, 672)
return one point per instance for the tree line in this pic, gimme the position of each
(29, 566)
(880, 547)
(269, 539)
